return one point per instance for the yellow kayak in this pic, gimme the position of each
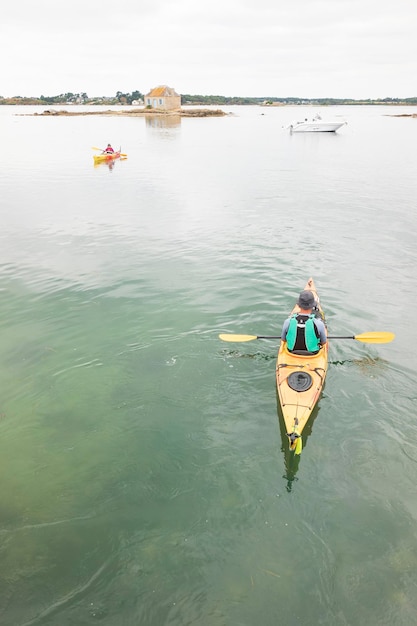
(300, 380)
(106, 156)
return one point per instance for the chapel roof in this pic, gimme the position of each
(162, 90)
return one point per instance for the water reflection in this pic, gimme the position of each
(163, 121)
(292, 460)
(369, 366)
(109, 163)
(229, 354)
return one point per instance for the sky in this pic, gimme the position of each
(254, 48)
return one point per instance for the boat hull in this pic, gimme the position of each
(297, 404)
(316, 127)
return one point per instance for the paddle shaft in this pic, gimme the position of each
(279, 337)
(370, 337)
(358, 337)
(120, 151)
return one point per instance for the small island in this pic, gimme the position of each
(125, 112)
(403, 115)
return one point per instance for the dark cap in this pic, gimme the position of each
(306, 300)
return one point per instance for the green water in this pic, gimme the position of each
(145, 473)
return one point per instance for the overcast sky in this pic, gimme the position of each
(303, 48)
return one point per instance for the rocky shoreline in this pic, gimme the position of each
(404, 115)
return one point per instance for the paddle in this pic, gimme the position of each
(123, 154)
(371, 337)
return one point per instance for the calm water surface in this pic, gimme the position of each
(145, 477)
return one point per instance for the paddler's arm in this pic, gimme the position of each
(285, 329)
(322, 330)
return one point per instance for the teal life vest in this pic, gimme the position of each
(302, 333)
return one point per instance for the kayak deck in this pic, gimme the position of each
(300, 380)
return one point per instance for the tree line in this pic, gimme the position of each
(189, 99)
(76, 98)
(223, 100)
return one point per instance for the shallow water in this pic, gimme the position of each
(145, 476)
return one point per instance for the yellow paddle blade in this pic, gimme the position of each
(375, 337)
(298, 446)
(227, 337)
(93, 148)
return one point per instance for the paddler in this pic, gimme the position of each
(305, 331)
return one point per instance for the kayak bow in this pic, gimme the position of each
(300, 380)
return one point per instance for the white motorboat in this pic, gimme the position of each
(315, 125)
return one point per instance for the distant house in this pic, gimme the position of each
(163, 97)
